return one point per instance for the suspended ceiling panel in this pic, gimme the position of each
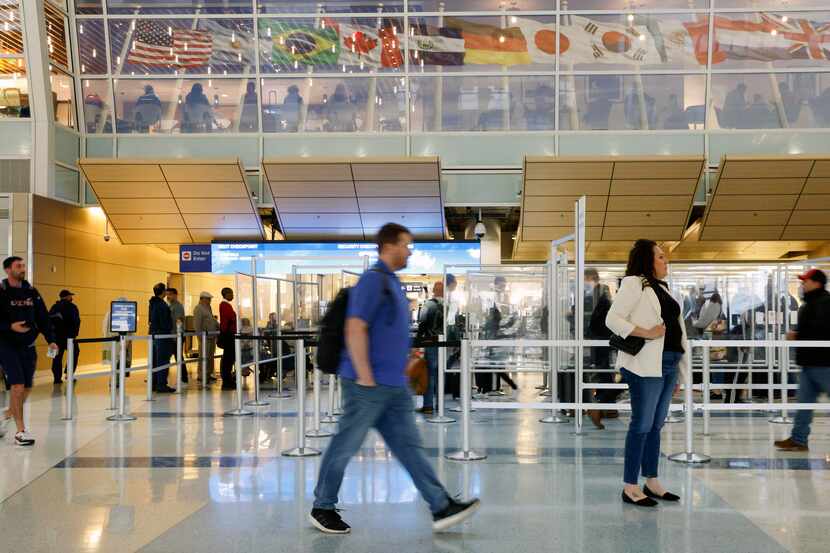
(777, 198)
(326, 198)
(627, 198)
(174, 201)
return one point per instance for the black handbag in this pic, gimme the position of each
(631, 345)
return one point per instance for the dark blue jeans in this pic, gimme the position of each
(431, 356)
(650, 399)
(811, 382)
(389, 410)
(163, 350)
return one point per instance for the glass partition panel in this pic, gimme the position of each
(481, 103)
(184, 105)
(628, 5)
(14, 89)
(324, 7)
(286, 305)
(367, 104)
(770, 101)
(308, 303)
(63, 97)
(97, 106)
(642, 102)
(56, 36)
(245, 310)
(92, 47)
(168, 7)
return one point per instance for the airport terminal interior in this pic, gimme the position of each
(259, 146)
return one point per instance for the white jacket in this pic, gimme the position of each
(633, 306)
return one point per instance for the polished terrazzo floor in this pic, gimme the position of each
(183, 477)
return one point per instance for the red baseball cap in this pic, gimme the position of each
(815, 275)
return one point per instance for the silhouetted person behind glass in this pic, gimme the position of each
(197, 112)
(248, 117)
(147, 110)
(292, 107)
(792, 107)
(675, 117)
(734, 107)
(821, 108)
(759, 115)
(599, 109)
(339, 111)
(633, 117)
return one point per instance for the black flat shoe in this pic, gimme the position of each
(665, 497)
(644, 502)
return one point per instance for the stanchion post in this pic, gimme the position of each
(70, 379)
(179, 361)
(256, 402)
(465, 454)
(553, 387)
(121, 415)
(441, 418)
(203, 357)
(784, 418)
(689, 456)
(316, 431)
(113, 377)
(239, 411)
(330, 417)
(150, 347)
(301, 450)
(706, 377)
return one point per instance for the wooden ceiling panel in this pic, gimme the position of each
(669, 169)
(424, 171)
(554, 233)
(561, 170)
(308, 171)
(645, 218)
(320, 221)
(753, 203)
(648, 204)
(312, 189)
(753, 218)
(213, 205)
(635, 232)
(355, 233)
(760, 186)
(588, 187)
(119, 206)
(155, 236)
(741, 233)
(561, 218)
(813, 201)
(653, 187)
(423, 233)
(817, 186)
(400, 205)
(817, 217)
(147, 221)
(203, 172)
(206, 235)
(318, 205)
(766, 168)
(218, 189)
(221, 220)
(810, 232)
(821, 168)
(564, 203)
(109, 189)
(123, 172)
(397, 189)
(412, 220)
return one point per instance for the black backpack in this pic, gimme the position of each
(597, 326)
(331, 340)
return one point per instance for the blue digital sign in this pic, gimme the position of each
(279, 258)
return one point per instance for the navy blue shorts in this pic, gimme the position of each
(18, 365)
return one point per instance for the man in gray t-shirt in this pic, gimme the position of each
(177, 314)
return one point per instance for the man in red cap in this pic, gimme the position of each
(813, 324)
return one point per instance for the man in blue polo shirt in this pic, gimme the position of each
(375, 393)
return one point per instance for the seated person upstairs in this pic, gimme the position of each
(198, 115)
(147, 110)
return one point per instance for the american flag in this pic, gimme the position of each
(157, 45)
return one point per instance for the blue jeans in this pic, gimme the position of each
(812, 381)
(163, 350)
(431, 356)
(389, 410)
(650, 399)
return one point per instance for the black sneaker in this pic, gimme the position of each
(455, 513)
(328, 521)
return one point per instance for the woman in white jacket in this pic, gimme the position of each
(644, 307)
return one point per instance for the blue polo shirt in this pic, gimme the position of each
(378, 300)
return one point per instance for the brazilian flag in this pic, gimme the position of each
(300, 43)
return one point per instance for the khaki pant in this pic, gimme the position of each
(210, 351)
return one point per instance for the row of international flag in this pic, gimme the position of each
(643, 39)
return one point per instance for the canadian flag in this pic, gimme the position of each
(367, 45)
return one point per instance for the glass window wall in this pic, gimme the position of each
(97, 111)
(14, 85)
(63, 97)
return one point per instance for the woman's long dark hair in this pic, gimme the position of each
(641, 259)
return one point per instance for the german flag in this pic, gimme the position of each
(301, 43)
(490, 45)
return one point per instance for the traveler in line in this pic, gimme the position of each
(227, 331)
(597, 304)
(161, 322)
(375, 394)
(204, 321)
(66, 321)
(645, 308)
(177, 313)
(23, 316)
(813, 324)
(430, 327)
